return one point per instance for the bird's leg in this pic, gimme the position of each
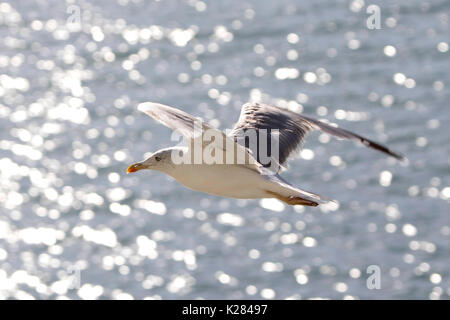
(293, 200)
(300, 201)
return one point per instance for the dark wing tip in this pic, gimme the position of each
(384, 149)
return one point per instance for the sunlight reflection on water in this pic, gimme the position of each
(69, 128)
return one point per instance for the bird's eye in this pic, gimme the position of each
(158, 158)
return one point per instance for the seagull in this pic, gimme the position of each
(249, 179)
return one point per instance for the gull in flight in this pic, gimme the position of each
(249, 179)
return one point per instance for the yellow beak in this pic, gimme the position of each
(134, 167)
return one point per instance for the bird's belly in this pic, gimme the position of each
(222, 180)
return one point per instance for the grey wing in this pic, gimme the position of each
(291, 129)
(345, 134)
(195, 129)
(173, 118)
(279, 126)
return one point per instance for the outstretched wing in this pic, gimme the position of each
(199, 133)
(175, 119)
(291, 129)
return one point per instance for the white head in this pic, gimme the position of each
(161, 160)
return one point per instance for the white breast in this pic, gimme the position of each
(233, 181)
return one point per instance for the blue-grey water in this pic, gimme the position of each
(73, 225)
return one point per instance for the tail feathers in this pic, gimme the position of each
(310, 196)
(291, 195)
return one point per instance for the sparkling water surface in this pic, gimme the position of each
(73, 225)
